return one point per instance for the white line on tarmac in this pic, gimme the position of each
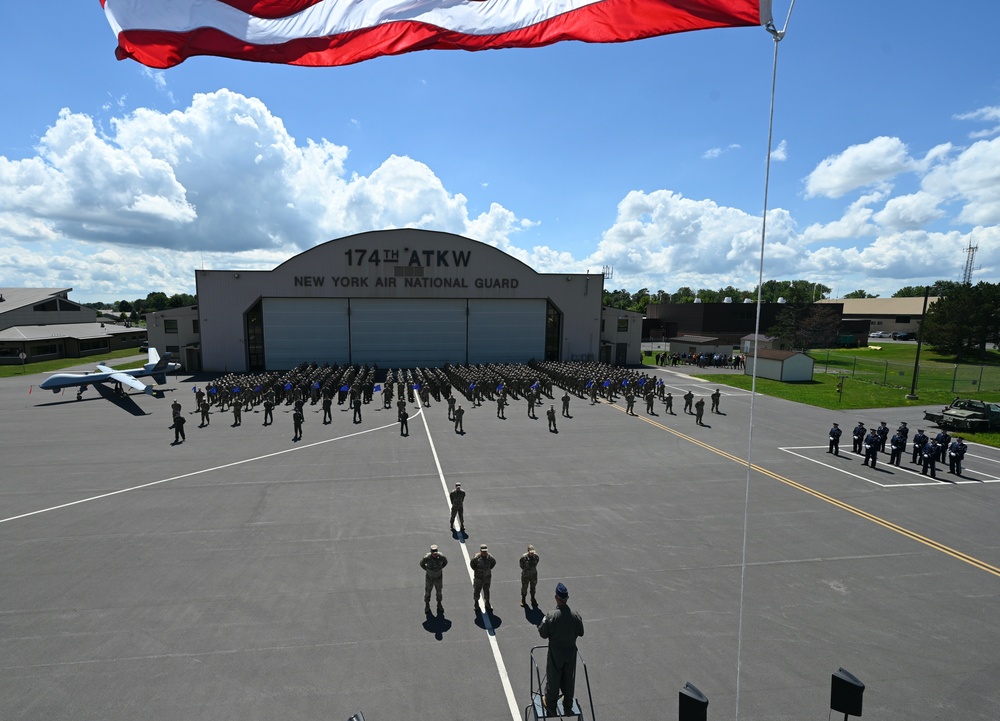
(930, 482)
(195, 473)
(501, 666)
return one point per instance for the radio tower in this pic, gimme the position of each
(969, 263)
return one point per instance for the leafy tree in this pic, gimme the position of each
(180, 300)
(793, 291)
(124, 306)
(861, 294)
(154, 302)
(620, 299)
(683, 295)
(962, 322)
(806, 326)
(939, 289)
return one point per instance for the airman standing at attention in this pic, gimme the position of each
(688, 400)
(565, 404)
(204, 407)
(451, 408)
(858, 437)
(433, 564)
(835, 434)
(175, 409)
(482, 576)
(668, 402)
(297, 418)
(457, 498)
(327, 410)
(699, 411)
(551, 415)
(715, 401)
(268, 409)
(237, 413)
(459, 413)
(529, 575)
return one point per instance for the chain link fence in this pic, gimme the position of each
(961, 380)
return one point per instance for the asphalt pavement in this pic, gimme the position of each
(241, 575)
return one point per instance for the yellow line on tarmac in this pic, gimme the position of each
(929, 542)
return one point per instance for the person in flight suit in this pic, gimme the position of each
(561, 627)
(551, 415)
(688, 400)
(715, 401)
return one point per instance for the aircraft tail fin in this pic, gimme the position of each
(158, 363)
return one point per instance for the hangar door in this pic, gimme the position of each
(416, 332)
(305, 330)
(506, 330)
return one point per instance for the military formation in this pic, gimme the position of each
(460, 387)
(926, 452)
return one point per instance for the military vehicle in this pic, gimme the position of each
(968, 415)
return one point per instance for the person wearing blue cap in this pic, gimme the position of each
(561, 627)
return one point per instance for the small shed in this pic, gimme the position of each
(763, 342)
(780, 365)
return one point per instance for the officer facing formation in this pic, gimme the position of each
(433, 564)
(482, 576)
(551, 415)
(529, 575)
(561, 627)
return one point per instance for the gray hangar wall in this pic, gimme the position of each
(398, 298)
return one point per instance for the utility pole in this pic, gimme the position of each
(920, 340)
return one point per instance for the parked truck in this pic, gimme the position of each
(965, 414)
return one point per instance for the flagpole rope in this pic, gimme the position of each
(778, 35)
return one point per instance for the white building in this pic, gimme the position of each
(176, 331)
(396, 298)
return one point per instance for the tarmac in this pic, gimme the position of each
(240, 575)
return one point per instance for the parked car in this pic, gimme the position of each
(144, 347)
(879, 334)
(904, 336)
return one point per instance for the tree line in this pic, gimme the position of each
(153, 302)
(964, 322)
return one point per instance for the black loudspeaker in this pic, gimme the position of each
(845, 693)
(693, 704)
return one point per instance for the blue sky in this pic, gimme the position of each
(648, 157)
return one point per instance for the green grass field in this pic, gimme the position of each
(11, 371)
(880, 377)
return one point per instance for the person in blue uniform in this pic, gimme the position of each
(858, 435)
(871, 448)
(835, 434)
(956, 452)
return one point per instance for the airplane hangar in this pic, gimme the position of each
(399, 299)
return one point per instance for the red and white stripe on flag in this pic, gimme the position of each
(164, 33)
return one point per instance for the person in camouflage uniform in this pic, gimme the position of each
(482, 568)
(433, 564)
(529, 575)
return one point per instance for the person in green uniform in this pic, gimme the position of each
(433, 564)
(529, 576)
(561, 627)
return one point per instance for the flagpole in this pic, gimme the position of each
(778, 36)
